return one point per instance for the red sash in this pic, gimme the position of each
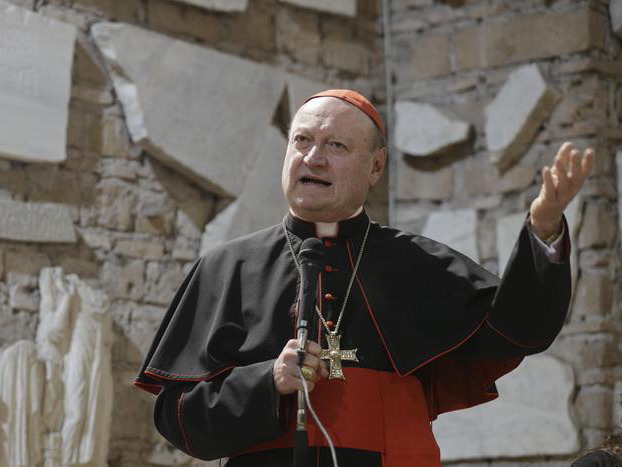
(373, 411)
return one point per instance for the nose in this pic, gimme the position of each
(315, 157)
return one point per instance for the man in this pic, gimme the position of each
(425, 329)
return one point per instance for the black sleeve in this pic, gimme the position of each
(529, 307)
(224, 416)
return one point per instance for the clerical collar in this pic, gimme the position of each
(348, 228)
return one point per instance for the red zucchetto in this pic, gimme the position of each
(357, 100)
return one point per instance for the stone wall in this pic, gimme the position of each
(123, 199)
(131, 126)
(496, 87)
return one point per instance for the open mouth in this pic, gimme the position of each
(314, 181)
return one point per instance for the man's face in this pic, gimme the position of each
(329, 164)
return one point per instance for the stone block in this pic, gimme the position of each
(456, 229)
(593, 296)
(155, 213)
(162, 281)
(346, 55)
(191, 121)
(588, 351)
(24, 260)
(481, 177)
(55, 184)
(23, 292)
(137, 248)
(515, 115)
(114, 138)
(594, 406)
(16, 325)
(218, 5)
(142, 327)
(551, 34)
(532, 417)
(415, 184)
(96, 238)
(175, 18)
(116, 201)
(34, 50)
(124, 279)
(468, 49)
(41, 222)
(429, 58)
(599, 227)
(118, 168)
(338, 7)
(298, 34)
(184, 226)
(423, 130)
(185, 249)
(261, 204)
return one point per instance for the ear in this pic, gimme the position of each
(379, 159)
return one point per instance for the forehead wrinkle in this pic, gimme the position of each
(330, 110)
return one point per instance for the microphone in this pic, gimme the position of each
(311, 260)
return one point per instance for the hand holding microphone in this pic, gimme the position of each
(300, 352)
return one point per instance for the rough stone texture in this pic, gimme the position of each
(593, 296)
(456, 229)
(224, 97)
(340, 7)
(531, 418)
(261, 203)
(423, 130)
(615, 17)
(599, 227)
(423, 184)
(35, 79)
(218, 5)
(516, 113)
(481, 177)
(43, 222)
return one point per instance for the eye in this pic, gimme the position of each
(301, 140)
(337, 146)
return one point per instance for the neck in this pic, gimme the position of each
(328, 229)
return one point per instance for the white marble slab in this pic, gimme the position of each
(36, 55)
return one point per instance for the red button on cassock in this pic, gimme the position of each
(329, 297)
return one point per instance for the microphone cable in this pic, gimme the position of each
(331, 445)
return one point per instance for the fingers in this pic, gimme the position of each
(285, 369)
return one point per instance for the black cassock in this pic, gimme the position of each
(417, 308)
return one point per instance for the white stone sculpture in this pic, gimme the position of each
(21, 399)
(36, 55)
(74, 340)
(516, 113)
(423, 130)
(198, 110)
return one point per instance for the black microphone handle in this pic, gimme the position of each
(301, 449)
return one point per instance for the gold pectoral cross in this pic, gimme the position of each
(336, 355)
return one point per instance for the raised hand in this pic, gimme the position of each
(560, 184)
